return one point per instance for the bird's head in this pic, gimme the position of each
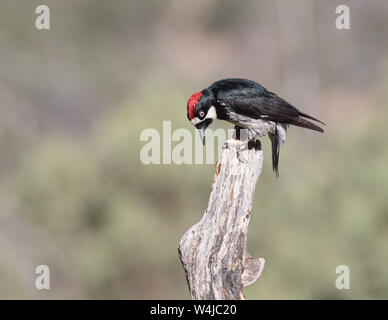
(201, 111)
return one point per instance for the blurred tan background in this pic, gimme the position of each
(73, 101)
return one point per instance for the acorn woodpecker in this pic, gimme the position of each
(247, 105)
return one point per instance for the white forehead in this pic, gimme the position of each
(195, 120)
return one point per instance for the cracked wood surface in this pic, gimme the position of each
(213, 252)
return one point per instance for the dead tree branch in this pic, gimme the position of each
(213, 252)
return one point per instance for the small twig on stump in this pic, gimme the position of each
(213, 252)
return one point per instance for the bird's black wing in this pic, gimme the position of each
(258, 103)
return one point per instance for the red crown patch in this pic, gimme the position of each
(192, 103)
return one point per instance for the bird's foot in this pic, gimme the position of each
(254, 144)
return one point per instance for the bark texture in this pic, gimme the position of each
(213, 252)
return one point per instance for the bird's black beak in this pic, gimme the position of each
(202, 127)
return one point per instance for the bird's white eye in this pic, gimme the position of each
(201, 114)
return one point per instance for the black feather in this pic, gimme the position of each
(249, 98)
(302, 114)
(300, 122)
(275, 145)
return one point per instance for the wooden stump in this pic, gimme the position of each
(213, 252)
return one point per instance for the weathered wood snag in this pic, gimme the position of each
(213, 252)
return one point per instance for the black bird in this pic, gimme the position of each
(247, 105)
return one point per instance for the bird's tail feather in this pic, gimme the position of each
(302, 114)
(275, 152)
(300, 122)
